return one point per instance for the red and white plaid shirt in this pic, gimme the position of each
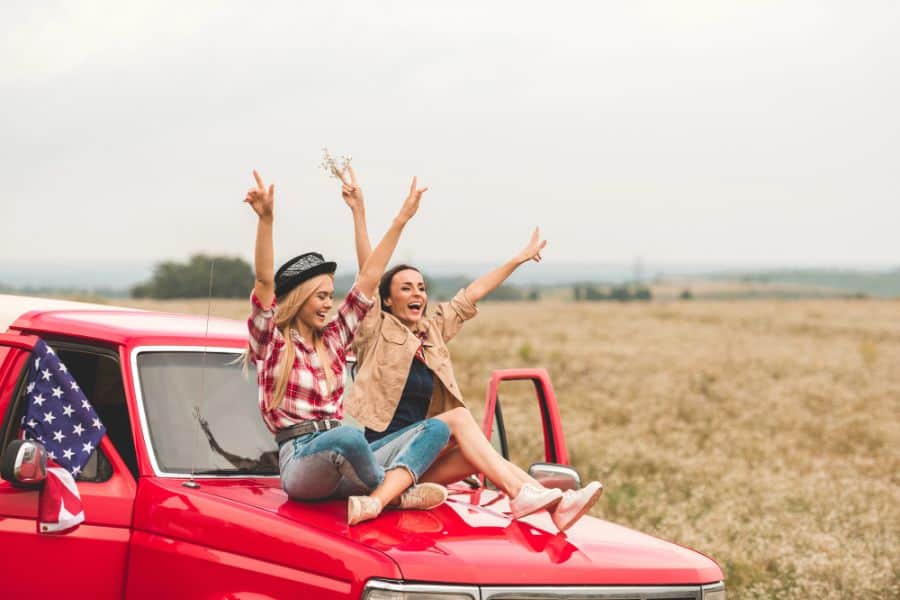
(307, 395)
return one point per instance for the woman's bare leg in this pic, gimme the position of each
(453, 466)
(479, 453)
(395, 483)
(449, 468)
(523, 475)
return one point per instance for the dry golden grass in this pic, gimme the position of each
(764, 433)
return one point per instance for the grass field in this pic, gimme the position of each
(766, 434)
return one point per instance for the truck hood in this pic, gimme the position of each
(471, 539)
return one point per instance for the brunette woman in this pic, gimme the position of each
(405, 374)
(300, 356)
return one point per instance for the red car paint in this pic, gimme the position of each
(152, 537)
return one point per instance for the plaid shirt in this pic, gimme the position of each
(307, 395)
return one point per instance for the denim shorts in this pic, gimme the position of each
(340, 462)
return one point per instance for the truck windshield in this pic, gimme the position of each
(202, 414)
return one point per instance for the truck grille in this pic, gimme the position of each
(589, 593)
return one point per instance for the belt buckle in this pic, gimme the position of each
(326, 424)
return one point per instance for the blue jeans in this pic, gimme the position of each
(340, 462)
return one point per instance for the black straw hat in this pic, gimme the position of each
(299, 269)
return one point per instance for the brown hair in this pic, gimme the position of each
(384, 286)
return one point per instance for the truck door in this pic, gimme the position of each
(538, 417)
(89, 560)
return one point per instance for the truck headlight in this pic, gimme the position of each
(715, 591)
(377, 589)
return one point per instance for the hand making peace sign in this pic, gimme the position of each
(411, 204)
(261, 200)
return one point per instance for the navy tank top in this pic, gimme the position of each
(414, 401)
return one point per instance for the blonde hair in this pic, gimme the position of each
(286, 313)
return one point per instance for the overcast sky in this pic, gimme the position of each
(704, 131)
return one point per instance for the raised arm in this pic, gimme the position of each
(261, 201)
(353, 196)
(374, 266)
(488, 282)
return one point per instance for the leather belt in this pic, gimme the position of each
(304, 427)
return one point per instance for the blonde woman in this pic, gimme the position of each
(300, 356)
(405, 373)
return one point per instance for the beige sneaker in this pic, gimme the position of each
(362, 508)
(575, 503)
(532, 499)
(423, 496)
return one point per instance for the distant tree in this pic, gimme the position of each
(232, 278)
(534, 295)
(342, 285)
(506, 292)
(444, 288)
(594, 294)
(620, 293)
(687, 294)
(641, 292)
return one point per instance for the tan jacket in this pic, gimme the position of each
(385, 349)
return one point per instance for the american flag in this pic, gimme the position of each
(59, 415)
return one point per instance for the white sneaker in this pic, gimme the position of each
(362, 508)
(423, 496)
(532, 499)
(575, 503)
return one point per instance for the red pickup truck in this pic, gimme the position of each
(182, 498)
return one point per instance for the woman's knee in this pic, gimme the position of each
(310, 477)
(438, 429)
(457, 418)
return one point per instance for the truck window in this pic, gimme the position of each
(522, 423)
(100, 377)
(202, 414)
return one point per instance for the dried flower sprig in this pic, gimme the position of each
(331, 166)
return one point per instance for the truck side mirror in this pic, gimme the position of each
(552, 475)
(24, 464)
